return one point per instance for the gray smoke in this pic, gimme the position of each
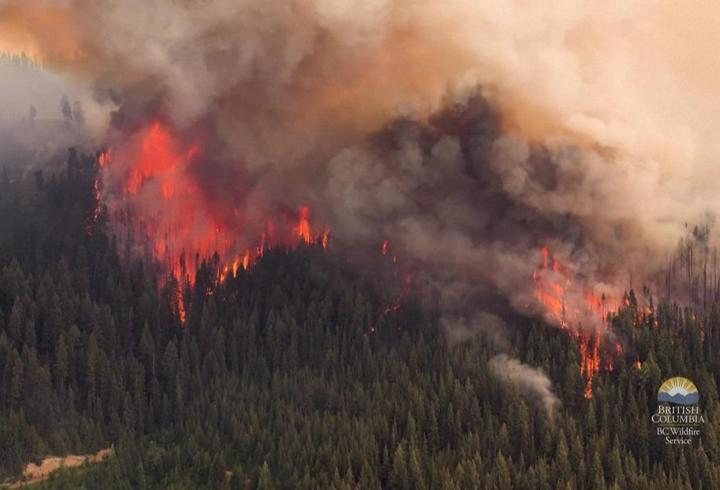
(489, 327)
(467, 133)
(467, 209)
(533, 383)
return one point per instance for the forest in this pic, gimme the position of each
(292, 375)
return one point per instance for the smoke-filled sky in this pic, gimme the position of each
(468, 133)
(282, 80)
(623, 97)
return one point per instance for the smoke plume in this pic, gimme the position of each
(532, 383)
(504, 151)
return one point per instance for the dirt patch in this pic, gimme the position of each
(34, 473)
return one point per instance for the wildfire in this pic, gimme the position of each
(180, 304)
(589, 360)
(302, 229)
(102, 160)
(407, 284)
(577, 309)
(151, 187)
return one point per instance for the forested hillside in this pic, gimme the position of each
(290, 375)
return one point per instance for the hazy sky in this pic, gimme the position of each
(639, 77)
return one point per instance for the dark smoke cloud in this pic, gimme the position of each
(371, 113)
(445, 193)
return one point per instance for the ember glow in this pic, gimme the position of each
(102, 160)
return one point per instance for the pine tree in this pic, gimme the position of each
(399, 477)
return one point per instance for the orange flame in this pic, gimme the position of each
(102, 160)
(570, 306)
(303, 226)
(153, 195)
(180, 304)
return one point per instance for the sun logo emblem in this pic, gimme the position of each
(678, 391)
